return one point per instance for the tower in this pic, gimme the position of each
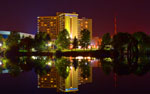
(115, 25)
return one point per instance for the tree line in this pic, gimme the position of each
(42, 40)
(125, 43)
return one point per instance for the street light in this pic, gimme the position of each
(1, 44)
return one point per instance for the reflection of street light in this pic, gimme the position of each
(49, 44)
(71, 67)
(34, 57)
(0, 44)
(1, 63)
(89, 47)
(79, 47)
(49, 63)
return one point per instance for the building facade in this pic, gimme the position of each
(84, 23)
(5, 34)
(69, 21)
(49, 25)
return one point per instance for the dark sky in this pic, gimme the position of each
(132, 15)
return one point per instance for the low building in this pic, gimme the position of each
(5, 34)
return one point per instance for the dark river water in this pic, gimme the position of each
(79, 75)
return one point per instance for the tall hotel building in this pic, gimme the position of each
(49, 25)
(69, 21)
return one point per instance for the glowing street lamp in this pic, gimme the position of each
(1, 63)
(1, 44)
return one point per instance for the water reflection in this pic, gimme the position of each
(67, 73)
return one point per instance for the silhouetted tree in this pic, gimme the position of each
(63, 40)
(85, 38)
(26, 44)
(106, 39)
(40, 41)
(13, 38)
(75, 43)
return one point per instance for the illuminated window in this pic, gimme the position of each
(86, 26)
(86, 22)
(51, 23)
(42, 23)
(45, 24)
(45, 79)
(81, 24)
(38, 20)
(52, 81)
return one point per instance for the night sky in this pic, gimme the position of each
(132, 15)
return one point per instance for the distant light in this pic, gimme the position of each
(88, 57)
(1, 44)
(34, 57)
(71, 46)
(49, 63)
(79, 57)
(86, 63)
(1, 63)
(49, 44)
(71, 67)
(89, 47)
(86, 78)
(71, 89)
(79, 47)
(108, 59)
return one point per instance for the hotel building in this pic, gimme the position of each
(49, 25)
(69, 21)
(84, 23)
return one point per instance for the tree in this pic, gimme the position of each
(85, 68)
(106, 39)
(1, 38)
(63, 40)
(26, 44)
(75, 43)
(40, 41)
(63, 67)
(13, 38)
(143, 41)
(120, 41)
(85, 38)
(1, 42)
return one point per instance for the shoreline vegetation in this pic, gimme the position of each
(119, 52)
(121, 43)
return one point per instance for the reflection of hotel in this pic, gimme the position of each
(53, 80)
(69, 21)
(49, 80)
(86, 80)
(70, 84)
